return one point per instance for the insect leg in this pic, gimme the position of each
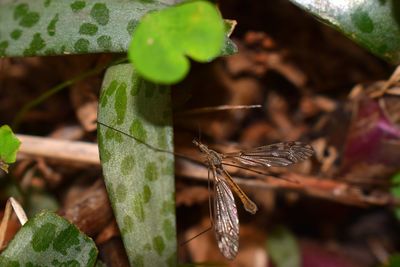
(249, 205)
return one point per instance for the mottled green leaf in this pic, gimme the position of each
(164, 38)
(49, 240)
(54, 27)
(9, 145)
(31, 27)
(282, 247)
(374, 25)
(134, 134)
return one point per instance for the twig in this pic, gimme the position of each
(314, 186)
(43, 97)
(204, 110)
(56, 149)
(334, 190)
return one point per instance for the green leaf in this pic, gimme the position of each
(229, 48)
(394, 260)
(135, 131)
(9, 145)
(283, 248)
(49, 27)
(396, 180)
(163, 39)
(49, 240)
(374, 25)
(395, 191)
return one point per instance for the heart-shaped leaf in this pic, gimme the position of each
(164, 38)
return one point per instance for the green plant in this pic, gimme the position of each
(283, 248)
(141, 188)
(9, 145)
(142, 198)
(372, 24)
(134, 135)
(49, 240)
(193, 29)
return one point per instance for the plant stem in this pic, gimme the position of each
(43, 97)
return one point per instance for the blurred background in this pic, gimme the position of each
(313, 84)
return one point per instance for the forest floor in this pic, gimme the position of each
(313, 84)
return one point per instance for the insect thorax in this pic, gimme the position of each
(214, 158)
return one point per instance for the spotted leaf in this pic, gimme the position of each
(49, 240)
(372, 24)
(135, 135)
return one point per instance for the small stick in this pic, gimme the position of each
(204, 110)
(87, 153)
(64, 150)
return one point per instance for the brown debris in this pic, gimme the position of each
(190, 196)
(113, 253)
(301, 72)
(107, 233)
(85, 102)
(318, 187)
(89, 209)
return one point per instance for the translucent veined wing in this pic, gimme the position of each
(275, 155)
(226, 221)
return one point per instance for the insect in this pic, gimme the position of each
(225, 217)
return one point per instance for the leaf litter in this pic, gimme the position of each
(304, 87)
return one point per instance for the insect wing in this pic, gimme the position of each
(275, 155)
(226, 221)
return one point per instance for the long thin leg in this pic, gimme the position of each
(249, 205)
(209, 197)
(211, 213)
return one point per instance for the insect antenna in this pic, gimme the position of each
(210, 208)
(135, 138)
(199, 132)
(146, 144)
(208, 186)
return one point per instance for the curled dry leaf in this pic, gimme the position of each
(11, 205)
(373, 137)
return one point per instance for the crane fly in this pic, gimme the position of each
(225, 217)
